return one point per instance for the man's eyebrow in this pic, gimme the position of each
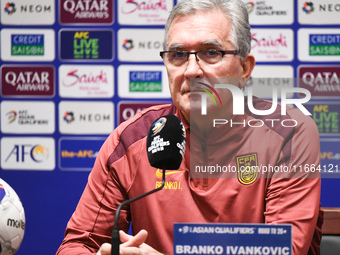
(212, 43)
(176, 46)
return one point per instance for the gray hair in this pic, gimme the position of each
(234, 10)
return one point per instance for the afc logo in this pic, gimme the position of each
(24, 152)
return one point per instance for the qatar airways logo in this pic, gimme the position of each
(27, 80)
(238, 103)
(85, 6)
(86, 11)
(322, 81)
(86, 81)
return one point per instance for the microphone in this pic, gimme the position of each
(166, 143)
(165, 146)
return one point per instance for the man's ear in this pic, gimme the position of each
(248, 65)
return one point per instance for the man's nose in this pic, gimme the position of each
(193, 68)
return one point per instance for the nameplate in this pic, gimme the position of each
(245, 239)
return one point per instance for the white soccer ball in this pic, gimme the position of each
(12, 220)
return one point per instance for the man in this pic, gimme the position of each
(204, 39)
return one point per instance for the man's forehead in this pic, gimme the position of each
(211, 28)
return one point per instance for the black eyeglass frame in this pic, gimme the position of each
(223, 52)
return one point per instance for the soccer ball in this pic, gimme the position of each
(12, 220)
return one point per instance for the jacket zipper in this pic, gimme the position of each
(205, 162)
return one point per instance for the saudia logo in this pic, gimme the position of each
(238, 96)
(269, 42)
(132, 6)
(75, 77)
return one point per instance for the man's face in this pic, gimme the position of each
(200, 31)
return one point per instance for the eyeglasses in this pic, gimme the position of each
(178, 58)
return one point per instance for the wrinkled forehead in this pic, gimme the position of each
(200, 28)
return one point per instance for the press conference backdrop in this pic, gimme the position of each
(72, 70)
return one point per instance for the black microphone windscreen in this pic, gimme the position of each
(166, 143)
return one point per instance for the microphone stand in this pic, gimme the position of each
(115, 240)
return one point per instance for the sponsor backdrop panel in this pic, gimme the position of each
(141, 81)
(27, 81)
(136, 45)
(265, 77)
(330, 156)
(127, 109)
(319, 44)
(72, 70)
(86, 81)
(28, 153)
(27, 45)
(39, 12)
(78, 153)
(86, 117)
(18, 117)
(318, 12)
(86, 45)
(272, 45)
